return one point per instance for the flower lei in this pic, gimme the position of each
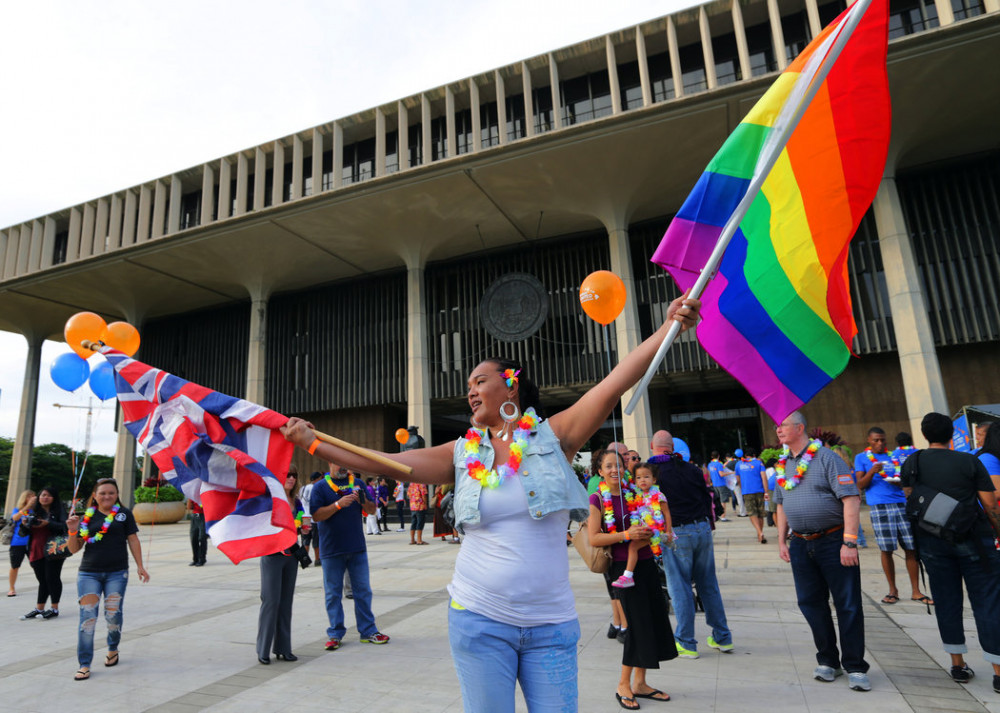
(337, 488)
(299, 514)
(492, 478)
(609, 510)
(648, 512)
(800, 470)
(871, 457)
(907, 451)
(85, 525)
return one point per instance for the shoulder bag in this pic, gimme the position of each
(597, 559)
(939, 514)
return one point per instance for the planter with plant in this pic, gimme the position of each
(158, 504)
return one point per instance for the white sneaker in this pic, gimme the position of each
(827, 673)
(858, 681)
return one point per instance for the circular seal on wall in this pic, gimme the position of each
(514, 307)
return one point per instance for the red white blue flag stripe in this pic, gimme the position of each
(222, 452)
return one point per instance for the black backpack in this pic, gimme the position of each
(939, 514)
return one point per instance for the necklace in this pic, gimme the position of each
(85, 525)
(609, 510)
(800, 470)
(650, 514)
(904, 453)
(871, 457)
(337, 488)
(492, 478)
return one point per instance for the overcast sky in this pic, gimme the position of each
(100, 95)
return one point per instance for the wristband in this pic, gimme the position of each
(850, 537)
(337, 504)
(625, 536)
(312, 447)
(74, 534)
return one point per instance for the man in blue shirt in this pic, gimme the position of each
(336, 504)
(878, 476)
(753, 483)
(717, 471)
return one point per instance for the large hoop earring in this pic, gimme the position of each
(509, 412)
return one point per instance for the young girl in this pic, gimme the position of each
(645, 509)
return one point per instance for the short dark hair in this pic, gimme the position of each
(526, 389)
(876, 430)
(904, 439)
(936, 427)
(316, 475)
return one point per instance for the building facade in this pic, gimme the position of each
(338, 273)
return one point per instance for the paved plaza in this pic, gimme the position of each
(188, 642)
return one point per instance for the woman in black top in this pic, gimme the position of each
(45, 518)
(109, 532)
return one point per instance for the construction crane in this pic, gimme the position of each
(78, 476)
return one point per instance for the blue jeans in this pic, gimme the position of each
(694, 561)
(819, 574)
(947, 565)
(356, 565)
(112, 586)
(490, 657)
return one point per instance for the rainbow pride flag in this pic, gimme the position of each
(777, 316)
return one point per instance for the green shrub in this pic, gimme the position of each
(166, 494)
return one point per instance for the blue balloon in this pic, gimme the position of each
(69, 371)
(102, 382)
(739, 452)
(681, 447)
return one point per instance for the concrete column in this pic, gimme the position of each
(174, 207)
(87, 231)
(529, 102)
(616, 93)
(707, 51)
(297, 161)
(4, 243)
(403, 135)
(23, 249)
(207, 194)
(101, 227)
(922, 382)
(338, 154)
(945, 15)
(379, 142)
(812, 12)
(451, 142)
(554, 89)
(9, 266)
(147, 467)
(637, 429)
(640, 51)
(20, 462)
(115, 223)
(418, 388)
(317, 162)
(145, 210)
(225, 186)
(278, 183)
(73, 239)
(124, 465)
(501, 106)
(675, 58)
(159, 209)
(242, 183)
(777, 35)
(35, 251)
(739, 29)
(426, 151)
(477, 119)
(992, 5)
(259, 177)
(129, 223)
(48, 244)
(257, 355)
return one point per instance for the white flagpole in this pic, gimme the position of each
(771, 151)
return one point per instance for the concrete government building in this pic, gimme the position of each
(337, 273)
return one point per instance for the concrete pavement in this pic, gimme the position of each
(188, 642)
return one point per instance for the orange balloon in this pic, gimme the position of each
(123, 337)
(402, 436)
(602, 296)
(84, 325)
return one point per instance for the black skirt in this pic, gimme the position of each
(649, 638)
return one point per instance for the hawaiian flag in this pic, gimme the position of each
(222, 452)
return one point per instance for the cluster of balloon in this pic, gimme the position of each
(602, 296)
(70, 371)
(402, 436)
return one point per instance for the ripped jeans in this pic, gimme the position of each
(90, 586)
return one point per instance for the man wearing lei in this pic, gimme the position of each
(877, 473)
(819, 502)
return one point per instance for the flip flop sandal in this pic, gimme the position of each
(923, 600)
(652, 695)
(82, 675)
(112, 659)
(890, 599)
(622, 699)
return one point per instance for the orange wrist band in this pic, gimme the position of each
(313, 446)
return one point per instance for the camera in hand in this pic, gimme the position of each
(301, 554)
(28, 521)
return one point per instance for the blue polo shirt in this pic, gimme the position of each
(715, 469)
(750, 472)
(341, 533)
(991, 462)
(879, 492)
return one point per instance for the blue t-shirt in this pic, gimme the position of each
(991, 462)
(18, 539)
(901, 454)
(878, 491)
(715, 469)
(750, 472)
(772, 480)
(341, 533)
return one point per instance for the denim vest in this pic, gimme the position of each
(549, 482)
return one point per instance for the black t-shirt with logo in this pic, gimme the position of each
(110, 553)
